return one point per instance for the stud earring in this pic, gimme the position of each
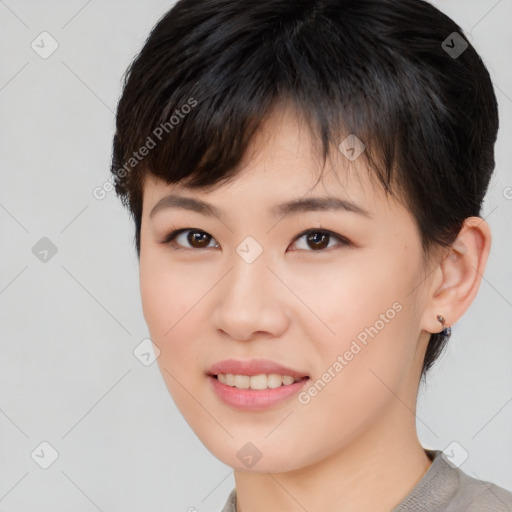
(447, 330)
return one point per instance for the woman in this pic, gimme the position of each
(306, 180)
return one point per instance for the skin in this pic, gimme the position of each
(354, 446)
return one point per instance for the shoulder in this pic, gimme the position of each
(475, 495)
(490, 498)
(446, 487)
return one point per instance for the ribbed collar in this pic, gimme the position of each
(436, 487)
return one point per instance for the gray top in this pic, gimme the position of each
(442, 488)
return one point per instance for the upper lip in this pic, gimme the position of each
(253, 367)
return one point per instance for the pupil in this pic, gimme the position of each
(313, 238)
(196, 237)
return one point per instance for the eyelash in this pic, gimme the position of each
(169, 239)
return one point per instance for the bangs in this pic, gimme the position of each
(206, 98)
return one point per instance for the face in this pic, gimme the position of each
(334, 295)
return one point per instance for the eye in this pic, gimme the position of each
(197, 238)
(318, 239)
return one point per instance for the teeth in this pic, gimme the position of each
(256, 381)
(242, 381)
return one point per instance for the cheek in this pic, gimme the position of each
(170, 303)
(360, 371)
(362, 314)
(342, 300)
(170, 306)
(166, 293)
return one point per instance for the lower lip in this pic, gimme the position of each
(254, 399)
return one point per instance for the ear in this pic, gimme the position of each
(457, 277)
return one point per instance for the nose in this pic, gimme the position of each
(251, 302)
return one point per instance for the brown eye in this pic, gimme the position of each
(195, 238)
(318, 240)
(198, 239)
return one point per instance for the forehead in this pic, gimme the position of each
(283, 161)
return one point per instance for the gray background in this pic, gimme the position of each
(70, 324)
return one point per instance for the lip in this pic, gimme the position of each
(253, 367)
(255, 399)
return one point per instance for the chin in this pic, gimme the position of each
(258, 457)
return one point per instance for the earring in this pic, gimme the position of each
(447, 330)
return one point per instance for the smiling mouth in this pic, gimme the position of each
(257, 382)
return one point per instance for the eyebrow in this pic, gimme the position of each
(284, 209)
